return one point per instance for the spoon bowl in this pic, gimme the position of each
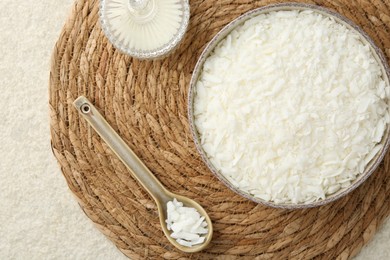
(187, 202)
(141, 173)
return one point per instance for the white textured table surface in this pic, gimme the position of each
(39, 218)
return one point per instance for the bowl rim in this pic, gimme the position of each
(377, 53)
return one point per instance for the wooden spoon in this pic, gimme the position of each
(140, 172)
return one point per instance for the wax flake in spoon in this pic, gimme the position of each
(188, 226)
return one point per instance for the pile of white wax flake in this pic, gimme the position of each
(188, 226)
(291, 106)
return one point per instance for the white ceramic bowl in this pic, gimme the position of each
(370, 168)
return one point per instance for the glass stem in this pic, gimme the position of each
(143, 11)
(138, 5)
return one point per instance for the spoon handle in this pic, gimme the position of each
(120, 148)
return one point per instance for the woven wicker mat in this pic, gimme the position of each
(146, 103)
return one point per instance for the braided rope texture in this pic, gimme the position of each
(145, 102)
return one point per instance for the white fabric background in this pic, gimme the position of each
(39, 218)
